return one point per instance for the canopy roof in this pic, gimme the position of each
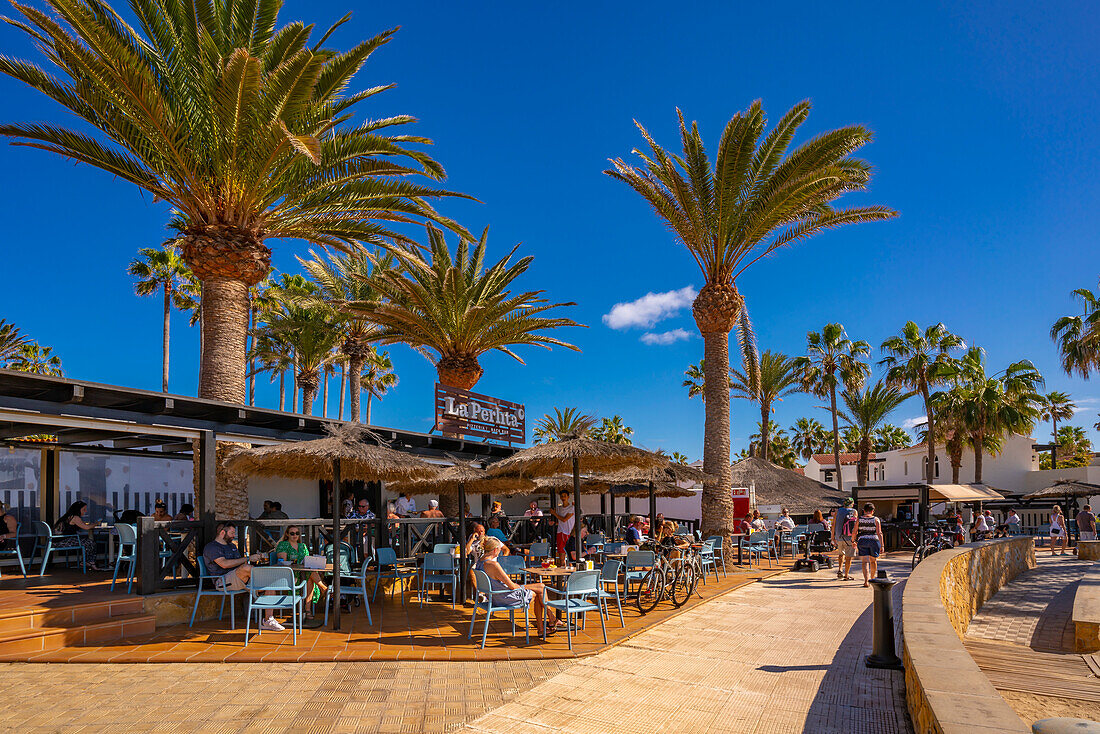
(778, 486)
(936, 492)
(473, 479)
(557, 457)
(669, 473)
(1065, 488)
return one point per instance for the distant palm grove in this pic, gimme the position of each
(259, 134)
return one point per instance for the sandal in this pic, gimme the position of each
(866, 585)
(849, 578)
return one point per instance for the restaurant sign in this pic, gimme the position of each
(478, 416)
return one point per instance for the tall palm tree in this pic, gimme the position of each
(809, 437)
(459, 309)
(680, 458)
(564, 422)
(866, 411)
(243, 128)
(757, 197)
(951, 424)
(997, 405)
(918, 361)
(378, 377)
(781, 450)
(613, 430)
(768, 381)
(271, 353)
(343, 281)
(37, 359)
(695, 374)
(1078, 337)
(260, 300)
(306, 326)
(890, 437)
(1056, 406)
(11, 341)
(161, 270)
(832, 362)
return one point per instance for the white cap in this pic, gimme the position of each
(433, 503)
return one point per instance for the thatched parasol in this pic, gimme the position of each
(778, 486)
(1065, 488)
(572, 454)
(664, 477)
(555, 484)
(350, 451)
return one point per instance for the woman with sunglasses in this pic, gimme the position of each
(292, 549)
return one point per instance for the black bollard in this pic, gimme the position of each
(882, 651)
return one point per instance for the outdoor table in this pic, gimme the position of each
(111, 533)
(309, 623)
(556, 577)
(736, 539)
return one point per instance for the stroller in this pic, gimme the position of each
(818, 543)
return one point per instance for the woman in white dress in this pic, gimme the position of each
(1057, 530)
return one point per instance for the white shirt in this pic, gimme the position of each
(565, 527)
(404, 507)
(785, 522)
(1013, 519)
(983, 527)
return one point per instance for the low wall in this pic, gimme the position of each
(945, 690)
(1086, 612)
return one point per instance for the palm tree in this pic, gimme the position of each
(36, 359)
(378, 377)
(1056, 406)
(918, 361)
(867, 411)
(161, 270)
(757, 197)
(809, 437)
(1075, 446)
(951, 427)
(459, 309)
(890, 437)
(343, 281)
(680, 458)
(1078, 337)
(780, 450)
(832, 362)
(612, 430)
(694, 382)
(768, 381)
(998, 405)
(260, 300)
(564, 422)
(272, 354)
(243, 128)
(11, 341)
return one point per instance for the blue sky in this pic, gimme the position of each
(981, 111)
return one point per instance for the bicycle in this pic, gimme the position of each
(671, 578)
(935, 540)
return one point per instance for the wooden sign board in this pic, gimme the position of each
(478, 416)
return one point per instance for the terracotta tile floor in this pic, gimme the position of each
(408, 633)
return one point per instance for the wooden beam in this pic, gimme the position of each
(20, 430)
(180, 447)
(76, 394)
(139, 442)
(206, 477)
(70, 437)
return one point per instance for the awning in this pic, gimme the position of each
(963, 493)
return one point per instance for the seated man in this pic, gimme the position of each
(223, 560)
(433, 510)
(494, 530)
(634, 531)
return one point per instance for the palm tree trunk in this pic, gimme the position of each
(717, 503)
(224, 331)
(979, 449)
(294, 381)
(282, 390)
(355, 374)
(864, 461)
(309, 394)
(765, 411)
(324, 393)
(370, 394)
(167, 326)
(836, 440)
(343, 389)
(251, 340)
(931, 433)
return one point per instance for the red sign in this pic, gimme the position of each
(478, 416)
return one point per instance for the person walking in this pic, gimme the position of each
(867, 536)
(1057, 530)
(844, 521)
(1086, 524)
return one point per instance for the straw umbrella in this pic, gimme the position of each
(459, 478)
(667, 476)
(350, 451)
(1071, 490)
(571, 454)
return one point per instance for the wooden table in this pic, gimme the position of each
(555, 576)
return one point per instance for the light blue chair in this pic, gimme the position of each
(515, 567)
(17, 552)
(759, 544)
(386, 558)
(127, 553)
(637, 566)
(575, 601)
(539, 552)
(218, 584)
(594, 542)
(794, 537)
(707, 561)
(486, 599)
(613, 547)
(718, 548)
(444, 548)
(357, 590)
(47, 537)
(273, 588)
(609, 576)
(438, 569)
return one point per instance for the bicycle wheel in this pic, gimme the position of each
(918, 555)
(651, 590)
(683, 584)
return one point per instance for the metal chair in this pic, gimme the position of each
(47, 537)
(637, 566)
(717, 544)
(609, 574)
(360, 590)
(485, 599)
(515, 567)
(580, 587)
(539, 551)
(127, 536)
(707, 561)
(760, 543)
(287, 595)
(793, 538)
(444, 548)
(386, 557)
(17, 551)
(438, 568)
(219, 589)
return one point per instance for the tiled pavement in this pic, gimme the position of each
(1034, 610)
(782, 655)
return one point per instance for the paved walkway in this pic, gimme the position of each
(782, 655)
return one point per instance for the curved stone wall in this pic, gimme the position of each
(945, 690)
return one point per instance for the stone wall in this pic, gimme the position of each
(945, 690)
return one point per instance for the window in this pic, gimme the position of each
(905, 468)
(827, 475)
(924, 468)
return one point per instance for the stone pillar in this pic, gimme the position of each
(230, 488)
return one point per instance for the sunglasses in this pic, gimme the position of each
(294, 535)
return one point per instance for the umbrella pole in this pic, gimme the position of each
(652, 511)
(462, 541)
(335, 544)
(576, 507)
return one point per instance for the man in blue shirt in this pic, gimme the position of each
(224, 561)
(634, 532)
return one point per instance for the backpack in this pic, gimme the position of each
(849, 524)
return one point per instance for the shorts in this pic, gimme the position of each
(232, 581)
(844, 545)
(869, 547)
(1088, 535)
(562, 540)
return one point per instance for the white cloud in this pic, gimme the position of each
(649, 309)
(911, 423)
(665, 337)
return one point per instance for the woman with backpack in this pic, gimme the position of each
(867, 535)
